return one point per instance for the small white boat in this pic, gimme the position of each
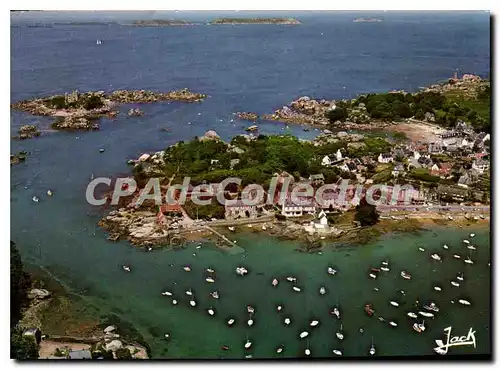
(412, 315)
(456, 256)
(215, 294)
(167, 293)
(394, 303)
(372, 349)
(466, 241)
(304, 334)
(322, 290)
(339, 334)
(35, 199)
(279, 350)
(192, 303)
(421, 249)
(296, 289)
(248, 344)
(275, 282)
(250, 309)
(405, 275)
(373, 276)
(336, 312)
(288, 321)
(331, 271)
(464, 302)
(460, 277)
(291, 279)
(471, 247)
(189, 292)
(49, 192)
(248, 356)
(426, 314)
(211, 311)
(385, 263)
(98, 42)
(393, 324)
(468, 261)
(437, 288)
(232, 229)
(445, 247)
(250, 322)
(187, 269)
(419, 327)
(230, 322)
(279, 307)
(432, 306)
(210, 270)
(376, 289)
(174, 302)
(456, 284)
(337, 352)
(384, 269)
(314, 323)
(210, 280)
(198, 247)
(472, 235)
(126, 268)
(241, 271)
(436, 257)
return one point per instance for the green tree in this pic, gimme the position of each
(336, 114)
(22, 347)
(123, 354)
(19, 284)
(382, 111)
(366, 214)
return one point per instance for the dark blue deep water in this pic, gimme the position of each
(243, 68)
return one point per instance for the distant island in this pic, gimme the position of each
(255, 21)
(367, 20)
(161, 23)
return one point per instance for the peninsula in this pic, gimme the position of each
(255, 21)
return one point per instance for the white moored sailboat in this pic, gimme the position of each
(322, 290)
(275, 282)
(436, 257)
(372, 349)
(456, 284)
(339, 334)
(337, 352)
(331, 271)
(314, 323)
(412, 315)
(304, 334)
(464, 302)
(419, 327)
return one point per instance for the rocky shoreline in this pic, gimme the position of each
(81, 111)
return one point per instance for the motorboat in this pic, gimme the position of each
(291, 279)
(464, 302)
(369, 310)
(339, 334)
(241, 271)
(336, 312)
(192, 303)
(210, 270)
(225, 347)
(35, 199)
(126, 268)
(314, 323)
(373, 276)
(376, 289)
(394, 303)
(437, 288)
(232, 229)
(288, 321)
(275, 282)
(419, 327)
(432, 307)
(436, 257)
(468, 261)
(167, 293)
(385, 263)
(421, 249)
(467, 241)
(393, 324)
(187, 269)
(456, 256)
(248, 356)
(445, 247)
(304, 334)
(250, 309)
(405, 275)
(280, 348)
(322, 290)
(331, 271)
(49, 192)
(412, 315)
(210, 280)
(248, 344)
(215, 294)
(337, 352)
(381, 318)
(456, 284)
(296, 289)
(460, 277)
(426, 314)
(384, 269)
(471, 247)
(230, 322)
(189, 292)
(211, 311)
(98, 42)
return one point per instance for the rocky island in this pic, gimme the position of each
(81, 111)
(255, 21)
(367, 20)
(27, 131)
(161, 23)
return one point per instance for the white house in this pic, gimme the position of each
(343, 167)
(338, 155)
(319, 225)
(290, 209)
(385, 158)
(326, 161)
(480, 165)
